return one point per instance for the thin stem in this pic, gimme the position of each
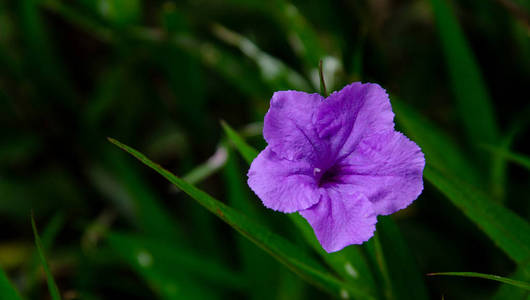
(381, 261)
(323, 90)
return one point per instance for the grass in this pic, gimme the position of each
(160, 75)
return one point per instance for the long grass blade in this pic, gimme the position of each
(517, 283)
(273, 71)
(398, 267)
(7, 290)
(520, 159)
(169, 256)
(445, 169)
(472, 98)
(252, 257)
(281, 249)
(161, 268)
(246, 151)
(440, 150)
(507, 291)
(506, 229)
(52, 286)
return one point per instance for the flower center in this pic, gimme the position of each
(329, 176)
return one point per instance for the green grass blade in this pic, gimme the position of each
(246, 151)
(48, 237)
(439, 149)
(507, 291)
(499, 169)
(125, 186)
(507, 230)
(51, 75)
(117, 12)
(281, 249)
(448, 170)
(398, 267)
(472, 98)
(517, 283)
(273, 71)
(172, 256)
(52, 286)
(522, 160)
(7, 289)
(159, 265)
(375, 251)
(302, 37)
(240, 74)
(209, 167)
(252, 257)
(305, 41)
(499, 178)
(291, 287)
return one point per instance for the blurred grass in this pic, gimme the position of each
(286, 253)
(516, 283)
(7, 290)
(52, 286)
(161, 74)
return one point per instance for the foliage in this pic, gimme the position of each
(159, 75)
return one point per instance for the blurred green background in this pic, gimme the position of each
(160, 75)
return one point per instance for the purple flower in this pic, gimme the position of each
(337, 161)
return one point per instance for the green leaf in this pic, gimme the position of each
(246, 151)
(522, 160)
(52, 287)
(472, 98)
(281, 249)
(517, 283)
(7, 289)
(507, 230)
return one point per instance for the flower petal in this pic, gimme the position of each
(348, 115)
(387, 168)
(341, 219)
(288, 126)
(283, 185)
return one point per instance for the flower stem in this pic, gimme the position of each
(323, 90)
